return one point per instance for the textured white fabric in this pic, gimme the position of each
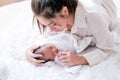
(65, 41)
(99, 29)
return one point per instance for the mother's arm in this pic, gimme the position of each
(105, 45)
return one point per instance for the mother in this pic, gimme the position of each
(77, 18)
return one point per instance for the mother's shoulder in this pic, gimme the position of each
(89, 6)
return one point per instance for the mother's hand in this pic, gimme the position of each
(69, 58)
(31, 56)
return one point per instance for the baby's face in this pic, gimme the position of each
(49, 52)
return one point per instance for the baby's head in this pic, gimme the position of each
(48, 51)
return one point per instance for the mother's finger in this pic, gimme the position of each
(37, 61)
(64, 53)
(37, 64)
(64, 61)
(34, 47)
(36, 55)
(63, 57)
(66, 64)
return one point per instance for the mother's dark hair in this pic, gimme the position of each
(48, 8)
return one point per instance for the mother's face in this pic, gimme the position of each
(56, 24)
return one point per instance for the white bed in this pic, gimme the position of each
(17, 34)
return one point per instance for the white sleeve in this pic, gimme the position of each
(105, 45)
(81, 44)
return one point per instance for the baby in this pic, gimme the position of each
(51, 47)
(49, 53)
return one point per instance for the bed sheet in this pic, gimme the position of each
(17, 34)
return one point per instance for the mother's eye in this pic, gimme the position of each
(53, 24)
(44, 26)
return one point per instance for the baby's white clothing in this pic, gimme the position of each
(65, 41)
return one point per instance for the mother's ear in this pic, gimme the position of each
(64, 11)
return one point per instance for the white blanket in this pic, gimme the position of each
(17, 34)
(64, 41)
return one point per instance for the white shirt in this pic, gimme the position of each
(94, 21)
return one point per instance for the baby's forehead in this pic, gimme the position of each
(44, 49)
(46, 46)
